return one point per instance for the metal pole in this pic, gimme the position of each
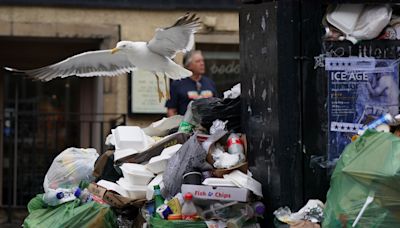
(9, 201)
(15, 146)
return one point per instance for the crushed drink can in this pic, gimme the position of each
(164, 210)
(235, 146)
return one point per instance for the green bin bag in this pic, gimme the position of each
(369, 166)
(69, 214)
(161, 223)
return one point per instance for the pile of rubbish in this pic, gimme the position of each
(363, 192)
(356, 22)
(188, 171)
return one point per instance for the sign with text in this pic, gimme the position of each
(359, 91)
(216, 193)
(144, 95)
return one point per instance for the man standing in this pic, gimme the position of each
(194, 87)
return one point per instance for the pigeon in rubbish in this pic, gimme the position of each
(154, 56)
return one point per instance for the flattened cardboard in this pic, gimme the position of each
(243, 167)
(104, 167)
(112, 198)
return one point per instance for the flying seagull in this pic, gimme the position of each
(154, 56)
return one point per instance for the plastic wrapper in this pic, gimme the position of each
(70, 214)
(234, 92)
(366, 175)
(312, 211)
(206, 110)
(70, 167)
(218, 125)
(189, 157)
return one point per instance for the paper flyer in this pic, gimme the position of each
(359, 91)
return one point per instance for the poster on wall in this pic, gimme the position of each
(143, 93)
(359, 91)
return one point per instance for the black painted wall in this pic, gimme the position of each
(271, 91)
(284, 107)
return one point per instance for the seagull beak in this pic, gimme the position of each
(114, 50)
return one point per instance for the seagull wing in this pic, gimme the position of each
(87, 64)
(178, 37)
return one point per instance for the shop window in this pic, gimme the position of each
(222, 64)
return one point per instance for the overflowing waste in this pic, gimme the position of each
(312, 212)
(188, 171)
(356, 22)
(363, 189)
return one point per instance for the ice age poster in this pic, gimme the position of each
(359, 90)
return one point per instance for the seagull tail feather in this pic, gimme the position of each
(176, 72)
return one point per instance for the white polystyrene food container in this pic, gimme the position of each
(113, 187)
(121, 153)
(134, 191)
(245, 181)
(345, 17)
(169, 151)
(129, 137)
(158, 164)
(136, 174)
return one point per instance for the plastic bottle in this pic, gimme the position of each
(53, 197)
(384, 119)
(84, 195)
(189, 211)
(187, 123)
(237, 222)
(158, 199)
(235, 146)
(259, 208)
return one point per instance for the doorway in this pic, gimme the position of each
(40, 119)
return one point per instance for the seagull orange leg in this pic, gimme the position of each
(167, 94)
(160, 93)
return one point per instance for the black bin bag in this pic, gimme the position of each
(206, 110)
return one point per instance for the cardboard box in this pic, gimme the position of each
(156, 149)
(216, 193)
(112, 198)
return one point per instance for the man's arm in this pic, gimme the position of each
(171, 112)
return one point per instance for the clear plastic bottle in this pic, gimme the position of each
(235, 146)
(384, 119)
(246, 213)
(189, 211)
(53, 197)
(84, 195)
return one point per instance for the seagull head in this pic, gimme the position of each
(121, 46)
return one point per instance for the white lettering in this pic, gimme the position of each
(349, 76)
(230, 68)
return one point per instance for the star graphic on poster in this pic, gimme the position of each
(319, 61)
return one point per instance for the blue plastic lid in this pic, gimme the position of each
(60, 195)
(77, 192)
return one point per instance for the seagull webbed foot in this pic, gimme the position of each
(167, 94)
(160, 93)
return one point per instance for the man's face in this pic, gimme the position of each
(197, 64)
